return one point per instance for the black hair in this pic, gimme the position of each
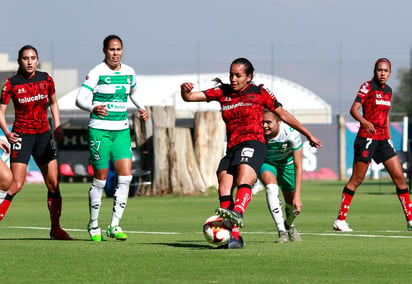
(107, 40)
(249, 70)
(217, 81)
(249, 67)
(24, 48)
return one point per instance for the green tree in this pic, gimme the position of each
(402, 97)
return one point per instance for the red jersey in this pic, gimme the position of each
(243, 111)
(30, 97)
(376, 102)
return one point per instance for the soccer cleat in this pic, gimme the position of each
(294, 235)
(235, 243)
(341, 226)
(409, 225)
(231, 215)
(95, 234)
(283, 237)
(59, 234)
(117, 233)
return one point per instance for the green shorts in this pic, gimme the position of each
(285, 175)
(106, 145)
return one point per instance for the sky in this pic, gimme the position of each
(327, 46)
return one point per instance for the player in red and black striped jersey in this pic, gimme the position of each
(31, 92)
(242, 111)
(242, 104)
(373, 142)
(30, 97)
(375, 99)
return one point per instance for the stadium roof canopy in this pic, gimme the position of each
(164, 90)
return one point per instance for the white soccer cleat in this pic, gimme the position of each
(341, 226)
(283, 237)
(294, 235)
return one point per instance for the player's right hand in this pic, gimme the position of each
(100, 111)
(369, 127)
(186, 87)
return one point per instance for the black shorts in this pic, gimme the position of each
(366, 149)
(252, 153)
(40, 146)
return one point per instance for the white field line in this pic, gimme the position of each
(81, 230)
(358, 235)
(334, 234)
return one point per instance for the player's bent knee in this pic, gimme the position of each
(272, 188)
(5, 181)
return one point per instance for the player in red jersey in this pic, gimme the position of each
(373, 142)
(242, 104)
(31, 92)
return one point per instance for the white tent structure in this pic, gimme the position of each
(164, 90)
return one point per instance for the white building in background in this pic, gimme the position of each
(65, 79)
(164, 90)
(5, 64)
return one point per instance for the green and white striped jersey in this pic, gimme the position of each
(280, 148)
(111, 88)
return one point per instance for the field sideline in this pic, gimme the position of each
(166, 245)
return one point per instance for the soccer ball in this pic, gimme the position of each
(216, 230)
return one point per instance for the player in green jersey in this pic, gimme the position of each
(104, 93)
(282, 168)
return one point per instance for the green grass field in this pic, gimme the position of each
(166, 244)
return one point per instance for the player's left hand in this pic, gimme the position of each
(315, 142)
(144, 114)
(58, 134)
(4, 146)
(298, 205)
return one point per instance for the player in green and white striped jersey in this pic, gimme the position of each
(282, 168)
(104, 93)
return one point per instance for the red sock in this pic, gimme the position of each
(405, 200)
(235, 232)
(347, 196)
(243, 197)
(226, 202)
(54, 204)
(4, 206)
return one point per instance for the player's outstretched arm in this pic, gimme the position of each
(186, 91)
(292, 121)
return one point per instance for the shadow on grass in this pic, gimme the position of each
(24, 239)
(44, 239)
(187, 244)
(384, 187)
(381, 193)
